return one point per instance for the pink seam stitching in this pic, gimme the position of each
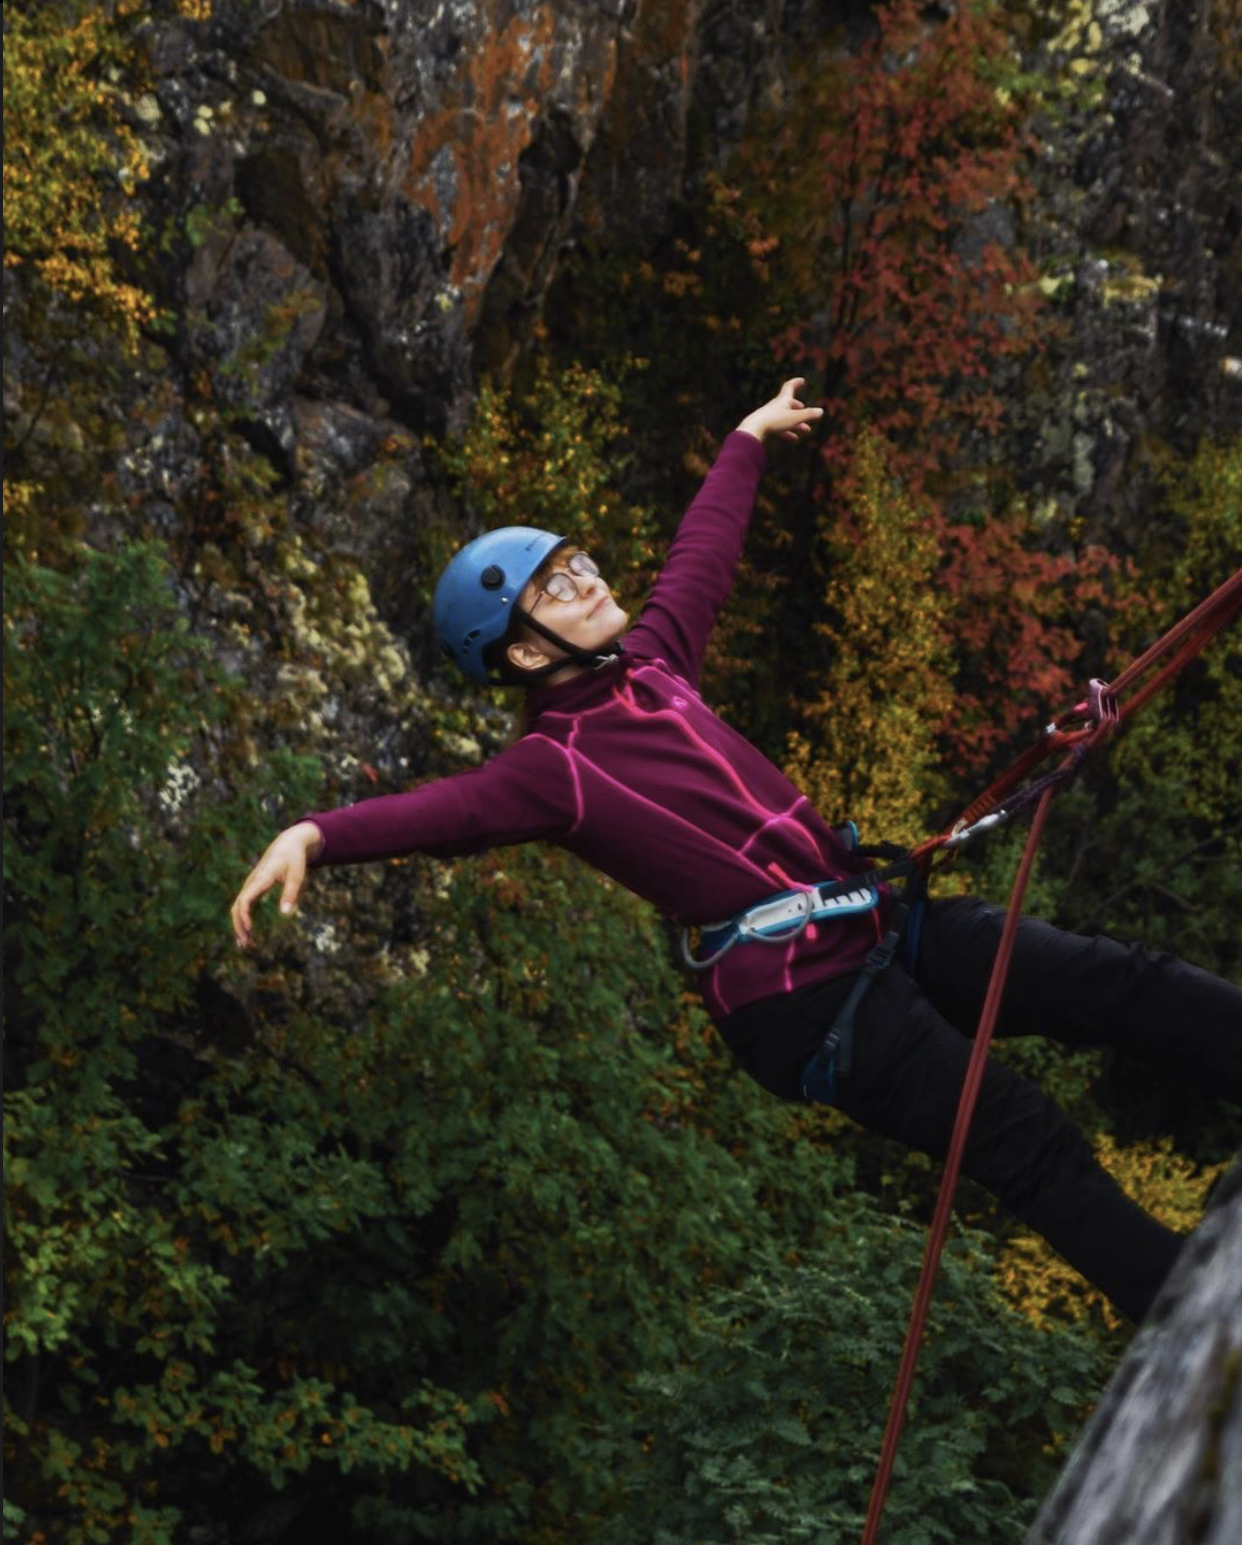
(579, 803)
(668, 814)
(772, 817)
(779, 819)
(697, 740)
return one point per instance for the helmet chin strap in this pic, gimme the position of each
(592, 659)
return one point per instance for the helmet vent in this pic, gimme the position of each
(492, 577)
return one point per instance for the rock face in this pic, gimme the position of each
(1137, 228)
(379, 195)
(403, 178)
(375, 196)
(410, 168)
(1160, 1462)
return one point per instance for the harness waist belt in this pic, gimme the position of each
(781, 918)
(791, 911)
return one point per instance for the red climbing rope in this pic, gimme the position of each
(1105, 707)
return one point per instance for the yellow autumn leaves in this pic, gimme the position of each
(72, 162)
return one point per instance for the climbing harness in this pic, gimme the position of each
(783, 917)
(1077, 731)
(833, 1060)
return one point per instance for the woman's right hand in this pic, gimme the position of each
(283, 864)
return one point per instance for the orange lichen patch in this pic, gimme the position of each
(464, 161)
(372, 111)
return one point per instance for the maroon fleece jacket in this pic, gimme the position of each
(627, 767)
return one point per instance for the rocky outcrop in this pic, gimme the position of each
(366, 204)
(1138, 228)
(399, 173)
(1160, 1461)
(401, 179)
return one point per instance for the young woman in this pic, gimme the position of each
(624, 764)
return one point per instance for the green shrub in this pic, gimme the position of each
(143, 1194)
(770, 1430)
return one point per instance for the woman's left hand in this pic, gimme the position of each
(784, 415)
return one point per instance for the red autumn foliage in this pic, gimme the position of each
(925, 306)
(1013, 632)
(917, 158)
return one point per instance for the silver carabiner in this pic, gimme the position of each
(983, 824)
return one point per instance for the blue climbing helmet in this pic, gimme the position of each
(476, 598)
(476, 604)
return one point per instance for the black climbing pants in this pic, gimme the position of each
(911, 1048)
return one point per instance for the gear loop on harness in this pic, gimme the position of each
(740, 930)
(748, 933)
(763, 923)
(705, 963)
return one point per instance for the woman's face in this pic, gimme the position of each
(589, 619)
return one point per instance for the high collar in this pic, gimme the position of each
(579, 691)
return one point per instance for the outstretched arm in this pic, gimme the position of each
(698, 573)
(524, 793)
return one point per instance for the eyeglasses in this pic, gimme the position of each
(562, 585)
